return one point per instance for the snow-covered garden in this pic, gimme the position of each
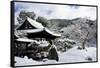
(71, 56)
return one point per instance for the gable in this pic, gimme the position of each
(26, 25)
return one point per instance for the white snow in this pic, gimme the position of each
(25, 61)
(35, 23)
(31, 30)
(52, 33)
(25, 40)
(43, 43)
(65, 39)
(75, 55)
(70, 56)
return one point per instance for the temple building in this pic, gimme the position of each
(33, 29)
(32, 38)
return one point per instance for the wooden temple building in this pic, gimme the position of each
(25, 34)
(33, 29)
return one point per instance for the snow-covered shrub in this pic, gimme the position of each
(64, 44)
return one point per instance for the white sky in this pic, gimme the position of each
(56, 11)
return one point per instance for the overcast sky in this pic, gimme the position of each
(56, 11)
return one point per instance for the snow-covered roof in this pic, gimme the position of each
(25, 40)
(43, 29)
(31, 30)
(35, 23)
(39, 28)
(52, 33)
(42, 43)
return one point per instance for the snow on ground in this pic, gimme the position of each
(72, 55)
(75, 55)
(25, 61)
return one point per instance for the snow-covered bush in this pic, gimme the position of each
(64, 44)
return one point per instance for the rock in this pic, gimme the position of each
(89, 58)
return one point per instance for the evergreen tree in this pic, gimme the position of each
(53, 54)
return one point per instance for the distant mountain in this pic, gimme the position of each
(76, 29)
(60, 23)
(57, 24)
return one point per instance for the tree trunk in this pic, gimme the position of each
(84, 41)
